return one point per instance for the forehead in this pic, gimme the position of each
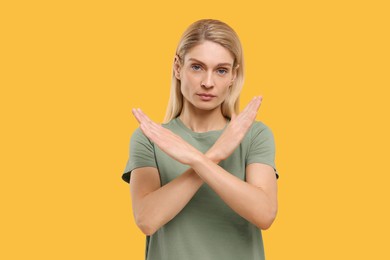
(210, 53)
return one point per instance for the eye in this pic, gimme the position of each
(222, 71)
(195, 67)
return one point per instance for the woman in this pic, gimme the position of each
(203, 184)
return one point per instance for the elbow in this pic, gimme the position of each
(145, 226)
(266, 224)
(147, 230)
(267, 219)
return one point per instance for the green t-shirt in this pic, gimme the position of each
(206, 228)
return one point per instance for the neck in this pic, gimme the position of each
(202, 120)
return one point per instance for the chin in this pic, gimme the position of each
(208, 107)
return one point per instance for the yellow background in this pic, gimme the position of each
(72, 70)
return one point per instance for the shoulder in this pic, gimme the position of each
(259, 129)
(259, 126)
(139, 137)
(138, 133)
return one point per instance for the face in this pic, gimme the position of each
(206, 76)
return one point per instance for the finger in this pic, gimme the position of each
(250, 112)
(143, 116)
(144, 122)
(149, 121)
(259, 99)
(250, 105)
(136, 115)
(255, 108)
(139, 115)
(247, 110)
(150, 125)
(254, 104)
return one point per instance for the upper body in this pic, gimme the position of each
(206, 228)
(204, 179)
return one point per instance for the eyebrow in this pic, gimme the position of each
(218, 65)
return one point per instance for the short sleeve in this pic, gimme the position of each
(262, 146)
(141, 154)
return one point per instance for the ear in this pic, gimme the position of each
(177, 67)
(234, 72)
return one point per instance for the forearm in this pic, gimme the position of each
(247, 200)
(163, 204)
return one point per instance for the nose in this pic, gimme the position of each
(207, 81)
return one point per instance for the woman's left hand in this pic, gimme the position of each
(171, 144)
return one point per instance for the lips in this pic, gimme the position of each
(206, 95)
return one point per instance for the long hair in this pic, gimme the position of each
(218, 32)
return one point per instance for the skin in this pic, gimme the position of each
(254, 199)
(207, 69)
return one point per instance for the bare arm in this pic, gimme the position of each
(154, 206)
(254, 200)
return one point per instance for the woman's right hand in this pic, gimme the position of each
(235, 131)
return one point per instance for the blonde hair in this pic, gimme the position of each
(218, 32)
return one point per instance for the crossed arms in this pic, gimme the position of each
(254, 199)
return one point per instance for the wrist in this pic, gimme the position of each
(197, 158)
(213, 156)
